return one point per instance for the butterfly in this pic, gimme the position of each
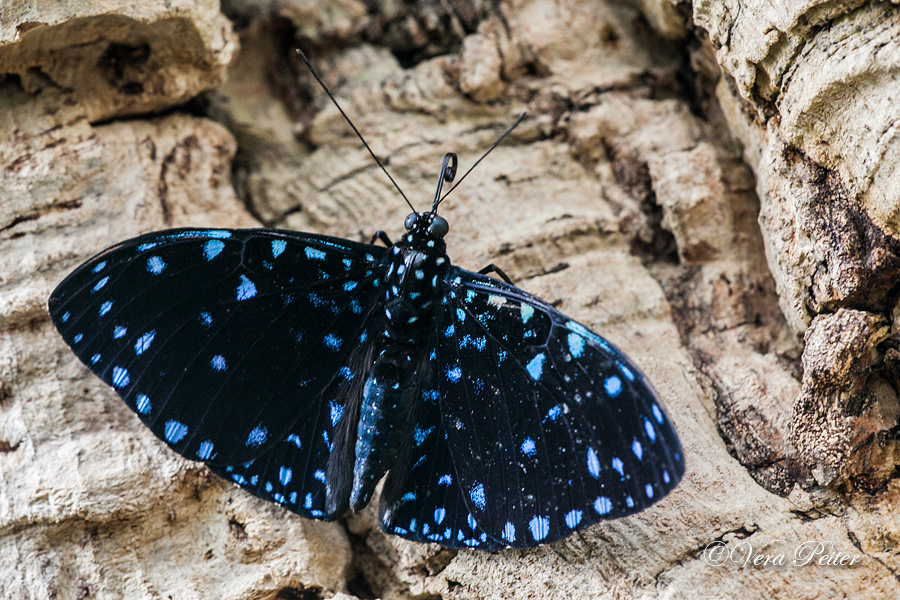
(305, 368)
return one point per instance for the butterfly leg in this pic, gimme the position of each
(381, 235)
(492, 268)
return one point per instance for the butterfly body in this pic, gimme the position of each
(304, 368)
(412, 285)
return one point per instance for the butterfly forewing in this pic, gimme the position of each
(550, 428)
(222, 341)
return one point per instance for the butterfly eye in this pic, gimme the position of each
(438, 227)
(410, 222)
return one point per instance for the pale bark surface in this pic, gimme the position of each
(711, 185)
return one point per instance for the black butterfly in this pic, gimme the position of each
(305, 367)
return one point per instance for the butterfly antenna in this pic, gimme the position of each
(488, 151)
(353, 127)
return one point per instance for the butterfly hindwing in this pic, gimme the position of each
(223, 340)
(550, 428)
(316, 456)
(421, 499)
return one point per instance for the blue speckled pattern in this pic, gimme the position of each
(303, 368)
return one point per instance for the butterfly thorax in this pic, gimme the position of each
(412, 289)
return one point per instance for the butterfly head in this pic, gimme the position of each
(426, 227)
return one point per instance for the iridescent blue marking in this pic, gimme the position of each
(554, 412)
(651, 432)
(218, 363)
(603, 505)
(65, 317)
(78, 337)
(439, 514)
(666, 477)
(529, 448)
(333, 342)
(143, 405)
(626, 372)
(294, 439)
(449, 331)
(284, 475)
(120, 377)
(527, 311)
(213, 248)
(576, 345)
(337, 411)
(205, 451)
(637, 449)
(97, 268)
(95, 359)
(408, 497)
(319, 476)
(445, 479)
(314, 253)
(143, 342)
(174, 431)
(619, 466)
(211, 233)
(346, 373)
(573, 518)
(119, 331)
(648, 489)
(205, 319)
(246, 289)
(460, 314)
(477, 495)
(105, 307)
(535, 367)
(539, 527)
(657, 414)
(156, 265)
(257, 437)
(593, 463)
(509, 532)
(453, 374)
(420, 434)
(613, 386)
(145, 247)
(349, 286)
(471, 521)
(629, 501)
(100, 284)
(278, 247)
(239, 479)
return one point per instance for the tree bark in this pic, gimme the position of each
(710, 185)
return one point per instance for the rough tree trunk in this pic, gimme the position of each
(712, 185)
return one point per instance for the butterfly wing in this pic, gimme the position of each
(549, 427)
(231, 345)
(421, 499)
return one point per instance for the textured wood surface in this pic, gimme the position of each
(711, 185)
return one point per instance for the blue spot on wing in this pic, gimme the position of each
(246, 289)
